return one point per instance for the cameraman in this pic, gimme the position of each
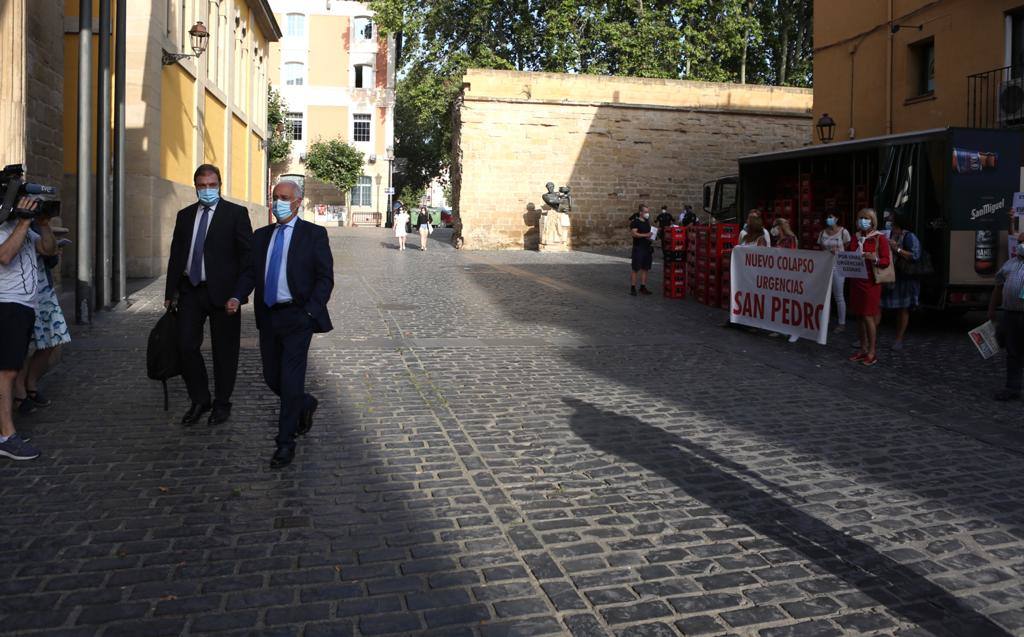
(19, 249)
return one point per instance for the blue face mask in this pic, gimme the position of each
(830, 222)
(865, 224)
(282, 209)
(208, 196)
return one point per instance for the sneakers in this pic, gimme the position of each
(16, 448)
(869, 361)
(632, 291)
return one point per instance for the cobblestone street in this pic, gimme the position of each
(508, 444)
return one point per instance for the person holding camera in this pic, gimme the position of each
(20, 246)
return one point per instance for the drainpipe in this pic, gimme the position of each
(84, 298)
(104, 243)
(888, 77)
(120, 288)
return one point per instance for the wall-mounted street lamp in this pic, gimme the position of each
(826, 128)
(199, 35)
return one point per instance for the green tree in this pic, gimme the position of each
(334, 162)
(717, 40)
(279, 128)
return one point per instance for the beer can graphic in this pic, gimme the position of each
(984, 251)
(973, 161)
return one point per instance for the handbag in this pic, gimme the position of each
(885, 274)
(163, 358)
(916, 269)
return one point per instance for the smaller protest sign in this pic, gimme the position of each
(851, 265)
(984, 338)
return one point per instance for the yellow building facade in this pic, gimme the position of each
(336, 75)
(893, 66)
(206, 109)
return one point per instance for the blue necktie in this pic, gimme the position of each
(195, 269)
(274, 268)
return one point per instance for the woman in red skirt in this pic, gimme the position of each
(866, 294)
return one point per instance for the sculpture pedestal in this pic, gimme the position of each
(555, 232)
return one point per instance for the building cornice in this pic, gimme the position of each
(265, 17)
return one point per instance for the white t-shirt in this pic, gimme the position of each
(19, 279)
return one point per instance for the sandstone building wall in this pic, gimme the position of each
(615, 141)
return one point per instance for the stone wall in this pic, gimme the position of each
(615, 141)
(32, 87)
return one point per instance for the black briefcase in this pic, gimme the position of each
(163, 358)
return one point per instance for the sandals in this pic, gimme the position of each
(38, 398)
(24, 406)
(859, 356)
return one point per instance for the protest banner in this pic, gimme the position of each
(787, 291)
(851, 265)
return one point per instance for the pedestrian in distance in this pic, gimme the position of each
(401, 224)
(664, 218)
(903, 295)
(643, 250)
(687, 217)
(866, 294)
(754, 232)
(423, 223)
(49, 333)
(210, 248)
(292, 273)
(784, 236)
(1009, 289)
(834, 238)
(20, 248)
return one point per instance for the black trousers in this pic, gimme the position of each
(194, 307)
(1011, 328)
(284, 348)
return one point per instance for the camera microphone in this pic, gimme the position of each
(38, 189)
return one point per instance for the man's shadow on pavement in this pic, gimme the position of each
(725, 486)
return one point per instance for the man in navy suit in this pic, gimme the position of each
(292, 271)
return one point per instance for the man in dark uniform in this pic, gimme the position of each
(664, 218)
(209, 249)
(643, 250)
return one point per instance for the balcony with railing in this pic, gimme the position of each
(995, 99)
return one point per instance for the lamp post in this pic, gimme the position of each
(390, 221)
(826, 128)
(198, 35)
(378, 178)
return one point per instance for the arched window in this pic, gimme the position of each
(364, 28)
(294, 73)
(296, 25)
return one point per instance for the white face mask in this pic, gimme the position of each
(775, 232)
(647, 215)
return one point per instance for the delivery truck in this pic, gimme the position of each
(955, 186)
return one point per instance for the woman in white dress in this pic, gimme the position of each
(401, 221)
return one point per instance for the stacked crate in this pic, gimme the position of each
(812, 217)
(673, 245)
(708, 254)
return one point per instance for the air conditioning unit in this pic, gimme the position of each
(1010, 104)
(372, 158)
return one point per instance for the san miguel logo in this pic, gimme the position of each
(988, 209)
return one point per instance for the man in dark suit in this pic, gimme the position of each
(292, 271)
(210, 248)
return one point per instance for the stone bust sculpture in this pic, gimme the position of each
(560, 201)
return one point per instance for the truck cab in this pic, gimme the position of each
(721, 199)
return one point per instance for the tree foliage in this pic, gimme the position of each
(279, 129)
(762, 41)
(334, 162)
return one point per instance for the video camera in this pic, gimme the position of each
(13, 187)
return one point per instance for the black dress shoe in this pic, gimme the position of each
(219, 415)
(194, 412)
(282, 457)
(306, 418)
